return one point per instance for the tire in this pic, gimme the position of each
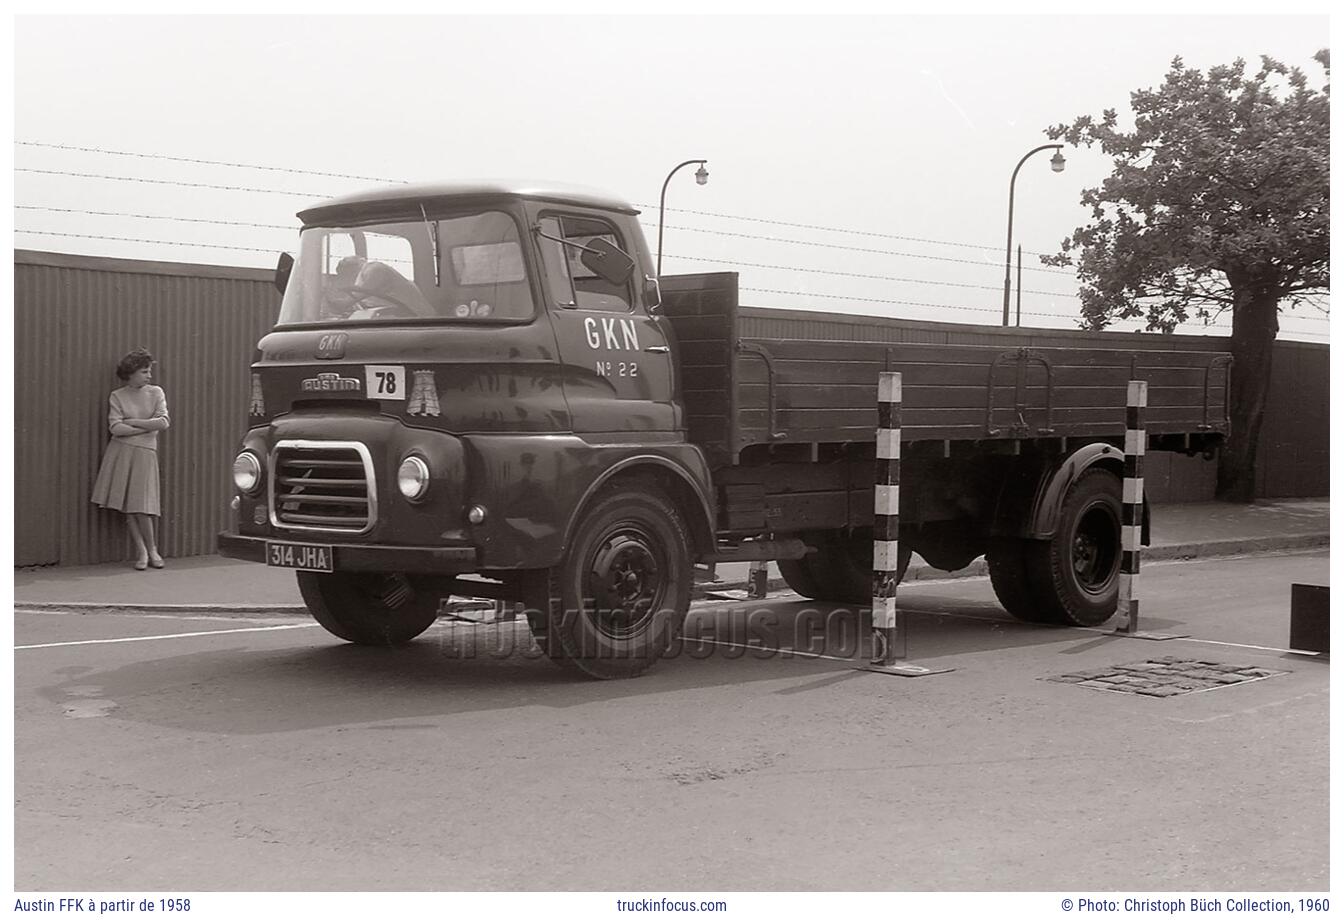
(1076, 572)
(798, 576)
(619, 597)
(1007, 563)
(841, 568)
(371, 609)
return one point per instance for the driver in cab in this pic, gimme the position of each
(371, 289)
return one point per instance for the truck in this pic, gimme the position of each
(483, 389)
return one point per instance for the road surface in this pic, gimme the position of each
(196, 753)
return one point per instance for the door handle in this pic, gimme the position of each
(658, 349)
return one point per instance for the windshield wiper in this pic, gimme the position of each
(433, 231)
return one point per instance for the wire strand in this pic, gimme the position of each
(903, 303)
(224, 188)
(192, 220)
(131, 239)
(334, 175)
(824, 271)
(884, 252)
(162, 156)
(802, 226)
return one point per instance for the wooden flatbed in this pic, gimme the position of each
(753, 376)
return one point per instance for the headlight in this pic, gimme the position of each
(413, 478)
(247, 472)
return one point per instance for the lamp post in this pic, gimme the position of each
(1056, 165)
(701, 177)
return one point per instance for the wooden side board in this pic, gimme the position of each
(791, 383)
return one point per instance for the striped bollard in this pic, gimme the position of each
(886, 521)
(1131, 520)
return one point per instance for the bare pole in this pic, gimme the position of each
(1019, 284)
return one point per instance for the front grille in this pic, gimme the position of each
(321, 487)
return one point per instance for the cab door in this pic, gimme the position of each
(617, 361)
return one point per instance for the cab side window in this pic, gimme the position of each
(571, 283)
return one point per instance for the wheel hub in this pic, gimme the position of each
(624, 582)
(1095, 550)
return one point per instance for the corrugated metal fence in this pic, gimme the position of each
(75, 316)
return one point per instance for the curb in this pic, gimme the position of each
(916, 572)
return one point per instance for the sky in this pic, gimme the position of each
(857, 164)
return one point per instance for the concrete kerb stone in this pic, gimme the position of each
(916, 572)
(238, 610)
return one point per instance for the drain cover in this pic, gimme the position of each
(1165, 676)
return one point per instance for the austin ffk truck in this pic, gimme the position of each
(485, 390)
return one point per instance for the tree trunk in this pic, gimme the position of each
(1255, 324)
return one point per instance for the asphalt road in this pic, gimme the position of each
(267, 755)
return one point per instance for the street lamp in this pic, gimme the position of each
(1056, 165)
(701, 177)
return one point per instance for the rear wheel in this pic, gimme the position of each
(372, 609)
(797, 574)
(1007, 563)
(618, 599)
(1077, 572)
(840, 568)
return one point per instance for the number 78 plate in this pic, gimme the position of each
(385, 381)
(311, 557)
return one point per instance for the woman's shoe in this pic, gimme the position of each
(156, 562)
(139, 565)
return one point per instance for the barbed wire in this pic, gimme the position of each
(883, 252)
(130, 239)
(314, 172)
(803, 226)
(163, 156)
(903, 303)
(223, 188)
(192, 220)
(825, 271)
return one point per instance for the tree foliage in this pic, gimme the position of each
(1221, 187)
(1218, 200)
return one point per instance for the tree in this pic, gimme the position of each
(1218, 200)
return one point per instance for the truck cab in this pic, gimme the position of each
(456, 372)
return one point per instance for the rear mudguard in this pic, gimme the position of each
(1030, 499)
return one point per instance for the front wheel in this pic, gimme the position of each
(1076, 573)
(618, 599)
(371, 609)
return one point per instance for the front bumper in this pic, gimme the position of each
(354, 557)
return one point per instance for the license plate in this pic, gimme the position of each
(312, 557)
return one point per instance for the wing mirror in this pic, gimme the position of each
(283, 268)
(607, 260)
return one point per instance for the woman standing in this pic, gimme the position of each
(128, 480)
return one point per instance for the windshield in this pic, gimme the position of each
(387, 272)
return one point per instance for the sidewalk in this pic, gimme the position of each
(216, 584)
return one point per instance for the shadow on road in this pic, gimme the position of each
(456, 668)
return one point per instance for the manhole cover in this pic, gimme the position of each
(1165, 676)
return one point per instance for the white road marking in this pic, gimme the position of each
(1249, 709)
(784, 652)
(190, 635)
